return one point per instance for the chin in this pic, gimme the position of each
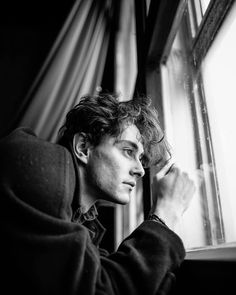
(123, 201)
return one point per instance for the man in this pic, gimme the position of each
(49, 227)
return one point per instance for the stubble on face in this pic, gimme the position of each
(108, 170)
(104, 172)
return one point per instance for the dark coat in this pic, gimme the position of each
(44, 252)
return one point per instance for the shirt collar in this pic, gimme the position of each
(81, 217)
(89, 220)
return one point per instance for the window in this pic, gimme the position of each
(196, 11)
(198, 72)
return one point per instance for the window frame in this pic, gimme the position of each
(202, 39)
(210, 24)
(224, 252)
(205, 32)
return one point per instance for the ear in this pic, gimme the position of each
(81, 146)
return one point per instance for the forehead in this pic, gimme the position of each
(131, 133)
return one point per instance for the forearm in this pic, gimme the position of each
(144, 260)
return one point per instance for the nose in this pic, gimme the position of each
(138, 169)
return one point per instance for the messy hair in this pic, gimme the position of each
(104, 114)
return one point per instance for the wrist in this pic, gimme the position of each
(166, 217)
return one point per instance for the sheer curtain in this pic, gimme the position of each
(74, 67)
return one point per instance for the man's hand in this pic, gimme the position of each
(171, 193)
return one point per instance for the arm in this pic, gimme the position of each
(58, 256)
(145, 261)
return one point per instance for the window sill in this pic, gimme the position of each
(224, 252)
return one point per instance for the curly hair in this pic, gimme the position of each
(104, 114)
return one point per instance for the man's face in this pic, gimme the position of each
(115, 165)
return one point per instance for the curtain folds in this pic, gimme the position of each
(74, 67)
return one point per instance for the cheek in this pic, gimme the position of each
(104, 171)
(109, 172)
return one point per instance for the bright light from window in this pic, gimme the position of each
(180, 134)
(204, 5)
(200, 120)
(220, 90)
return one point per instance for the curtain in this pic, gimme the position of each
(129, 216)
(125, 51)
(73, 68)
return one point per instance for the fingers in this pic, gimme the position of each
(165, 170)
(172, 192)
(175, 182)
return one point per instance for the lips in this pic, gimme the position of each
(130, 183)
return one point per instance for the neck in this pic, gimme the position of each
(86, 194)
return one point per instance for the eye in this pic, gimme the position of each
(129, 152)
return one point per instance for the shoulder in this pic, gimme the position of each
(23, 149)
(16, 134)
(23, 140)
(38, 171)
(19, 138)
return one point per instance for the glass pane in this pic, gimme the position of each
(188, 130)
(179, 128)
(219, 84)
(204, 5)
(196, 10)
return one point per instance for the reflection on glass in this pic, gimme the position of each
(180, 132)
(219, 84)
(199, 110)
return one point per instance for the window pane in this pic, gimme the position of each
(199, 111)
(179, 127)
(204, 5)
(219, 84)
(196, 10)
